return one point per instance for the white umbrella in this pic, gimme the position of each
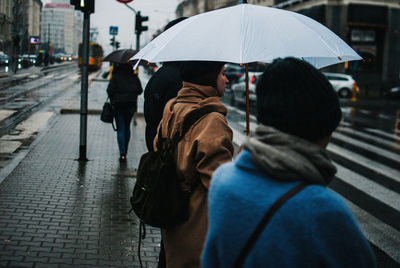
(248, 33)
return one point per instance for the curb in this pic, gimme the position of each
(77, 111)
(91, 112)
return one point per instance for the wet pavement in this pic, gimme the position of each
(59, 212)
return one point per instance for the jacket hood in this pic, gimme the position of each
(201, 97)
(289, 158)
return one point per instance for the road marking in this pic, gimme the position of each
(231, 108)
(5, 113)
(348, 130)
(392, 136)
(238, 138)
(382, 235)
(385, 195)
(369, 147)
(8, 147)
(252, 127)
(28, 127)
(365, 162)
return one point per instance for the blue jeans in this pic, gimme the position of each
(123, 117)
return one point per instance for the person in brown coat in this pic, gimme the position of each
(206, 145)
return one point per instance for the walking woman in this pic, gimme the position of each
(206, 145)
(250, 224)
(123, 89)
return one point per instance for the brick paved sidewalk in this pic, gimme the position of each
(58, 212)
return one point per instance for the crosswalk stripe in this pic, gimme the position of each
(252, 125)
(371, 188)
(238, 138)
(376, 167)
(376, 231)
(369, 147)
(394, 136)
(357, 133)
(231, 108)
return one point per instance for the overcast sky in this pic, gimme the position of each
(112, 13)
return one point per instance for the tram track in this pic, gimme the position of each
(28, 97)
(23, 77)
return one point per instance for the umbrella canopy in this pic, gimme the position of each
(248, 33)
(120, 56)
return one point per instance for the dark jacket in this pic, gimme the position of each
(124, 86)
(162, 86)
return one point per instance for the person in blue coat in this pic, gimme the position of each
(297, 110)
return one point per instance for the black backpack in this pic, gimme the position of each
(158, 199)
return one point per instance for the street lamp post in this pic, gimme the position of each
(84, 88)
(87, 7)
(139, 28)
(137, 35)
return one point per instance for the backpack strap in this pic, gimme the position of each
(189, 120)
(264, 221)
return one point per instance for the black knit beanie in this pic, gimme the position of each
(201, 72)
(296, 98)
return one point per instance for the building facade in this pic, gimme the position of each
(187, 8)
(5, 23)
(370, 27)
(61, 28)
(19, 19)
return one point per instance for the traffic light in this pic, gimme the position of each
(83, 5)
(117, 45)
(138, 26)
(112, 41)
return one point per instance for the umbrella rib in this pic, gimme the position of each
(319, 36)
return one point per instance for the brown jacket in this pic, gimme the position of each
(205, 146)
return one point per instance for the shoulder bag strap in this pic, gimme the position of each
(264, 221)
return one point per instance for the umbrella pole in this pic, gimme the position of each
(247, 101)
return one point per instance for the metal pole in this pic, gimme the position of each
(84, 87)
(131, 8)
(137, 36)
(48, 36)
(247, 101)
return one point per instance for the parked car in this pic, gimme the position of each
(233, 72)
(236, 71)
(238, 90)
(343, 84)
(4, 60)
(27, 60)
(393, 93)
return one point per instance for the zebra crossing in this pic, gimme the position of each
(368, 178)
